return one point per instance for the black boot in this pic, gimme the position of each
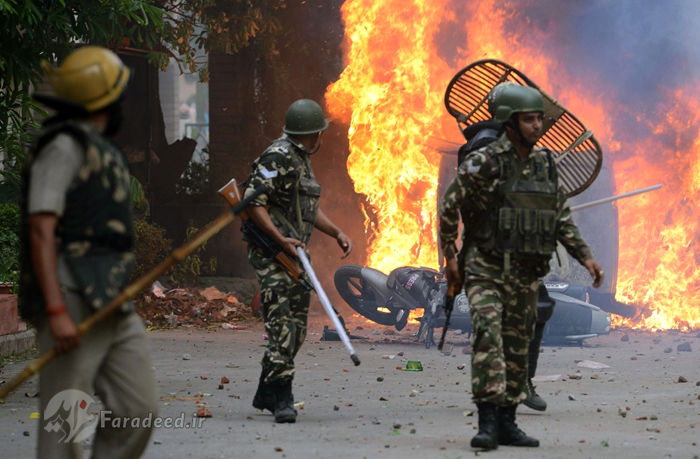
(533, 400)
(265, 398)
(508, 432)
(487, 438)
(284, 409)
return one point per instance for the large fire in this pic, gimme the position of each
(390, 94)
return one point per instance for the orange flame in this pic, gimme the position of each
(390, 95)
(659, 233)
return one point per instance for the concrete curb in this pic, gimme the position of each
(16, 343)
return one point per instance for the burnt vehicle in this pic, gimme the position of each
(389, 299)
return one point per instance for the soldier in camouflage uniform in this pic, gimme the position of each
(292, 198)
(77, 239)
(515, 214)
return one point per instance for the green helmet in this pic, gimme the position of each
(509, 98)
(304, 117)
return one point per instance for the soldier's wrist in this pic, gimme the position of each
(56, 309)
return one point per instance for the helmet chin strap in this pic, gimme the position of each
(317, 145)
(516, 127)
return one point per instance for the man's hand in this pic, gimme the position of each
(64, 331)
(454, 277)
(595, 271)
(345, 243)
(289, 245)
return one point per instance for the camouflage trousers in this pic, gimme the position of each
(503, 318)
(285, 306)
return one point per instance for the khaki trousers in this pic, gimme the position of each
(113, 363)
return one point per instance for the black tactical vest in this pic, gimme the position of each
(95, 233)
(525, 221)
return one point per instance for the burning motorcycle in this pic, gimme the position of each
(389, 300)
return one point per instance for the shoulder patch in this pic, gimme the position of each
(268, 174)
(474, 162)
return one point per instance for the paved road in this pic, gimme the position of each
(377, 410)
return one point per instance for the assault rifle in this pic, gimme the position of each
(259, 238)
(271, 249)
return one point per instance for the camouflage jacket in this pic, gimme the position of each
(95, 232)
(292, 190)
(478, 187)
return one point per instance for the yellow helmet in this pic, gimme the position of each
(91, 77)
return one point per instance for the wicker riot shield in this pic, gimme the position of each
(577, 153)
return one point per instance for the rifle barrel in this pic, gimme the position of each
(614, 198)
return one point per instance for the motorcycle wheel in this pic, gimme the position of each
(356, 293)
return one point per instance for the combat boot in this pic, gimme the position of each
(508, 432)
(284, 408)
(265, 398)
(487, 437)
(533, 400)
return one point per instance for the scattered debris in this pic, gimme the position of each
(550, 378)
(622, 411)
(592, 365)
(204, 413)
(682, 379)
(684, 347)
(31, 394)
(212, 293)
(163, 308)
(572, 398)
(625, 337)
(380, 378)
(158, 290)
(414, 365)
(460, 366)
(668, 350)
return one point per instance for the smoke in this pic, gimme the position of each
(630, 51)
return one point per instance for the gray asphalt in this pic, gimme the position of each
(378, 410)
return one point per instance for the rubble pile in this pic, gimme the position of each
(192, 307)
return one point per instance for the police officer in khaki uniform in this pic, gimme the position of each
(287, 212)
(77, 241)
(514, 213)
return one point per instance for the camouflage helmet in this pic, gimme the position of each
(508, 98)
(304, 117)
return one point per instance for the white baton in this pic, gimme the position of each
(327, 304)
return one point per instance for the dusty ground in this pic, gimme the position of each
(377, 410)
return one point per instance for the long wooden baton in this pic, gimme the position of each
(130, 291)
